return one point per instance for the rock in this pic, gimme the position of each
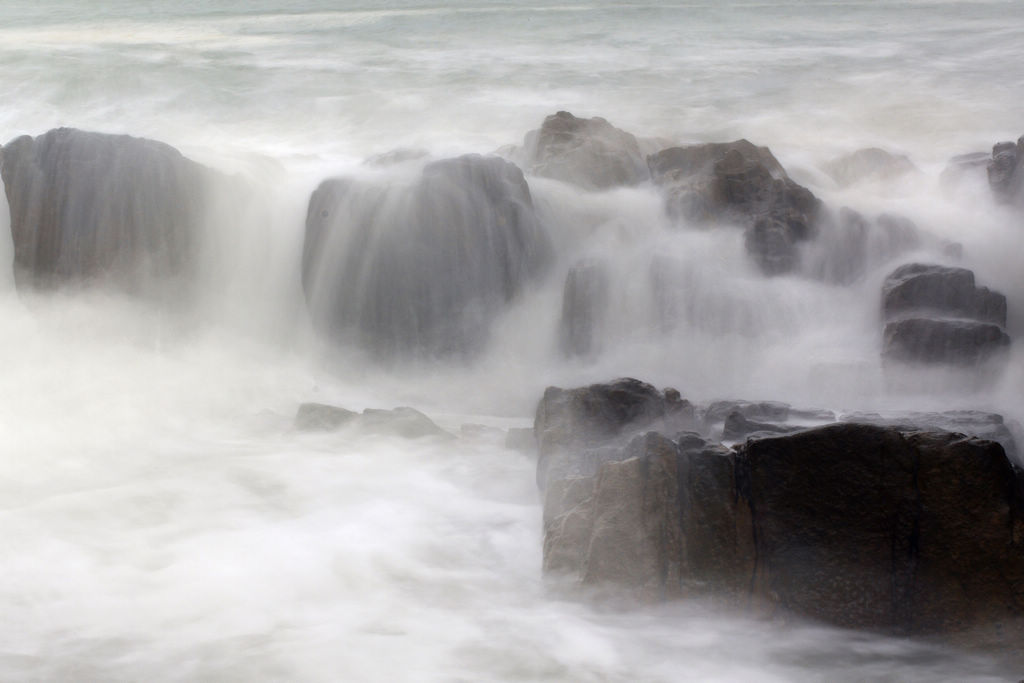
(942, 290)
(322, 417)
(421, 270)
(588, 152)
(739, 183)
(91, 207)
(963, 166)
(775, 411)
(405, 422)
(936, 314)
(856, 525)
(1006, 171)
(871, 163)
(982, 425)
(584, 308)
(578, 429)
(738, 427)
(929, 340)
(850, 244)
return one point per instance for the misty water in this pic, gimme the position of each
(163, 520)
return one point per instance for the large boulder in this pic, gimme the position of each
(936, 314)
(591, 153)
(738, 182)
(106, 208)
(1006, 171)
(421, 268)
(857, 525)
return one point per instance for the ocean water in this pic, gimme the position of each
(163, 521)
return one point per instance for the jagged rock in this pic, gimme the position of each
(930, 340)
(322, 417)
(576, 429)
(584, 308)
(106, 208)
(1006, 171)
(421, 269)
(927, 288)
(740, 183)
(871, 163)
(591, 152)
(857, 525)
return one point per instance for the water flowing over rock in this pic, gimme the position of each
(738, 182)
(863, 526)
(1006, 171)
(936, 314)
(591, 153)
(96, 207)
(584, 308)
(421, 269)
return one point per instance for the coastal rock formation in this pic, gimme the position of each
(871, 163)
(421, 269)
(1006, 171)
(405, 422)
(91, 207)
(591, 153)
(936, 314)
(738, 182)
(862, 526)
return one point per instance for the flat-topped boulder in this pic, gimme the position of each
(421, 268)
(743, 184)
(92, 207)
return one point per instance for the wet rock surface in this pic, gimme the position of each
(738, 182)
(584, 308)
(422, 270)
(403, 421)
(92, 207)
(890, 528)
(936, 314)
(1006, 171)
(590, 152)
(871, 163)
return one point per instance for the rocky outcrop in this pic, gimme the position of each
(91, 207)
(858, 525)
(1006, 171)
(738, 182)
(584, 308)
(936, 314)
(591, 153)
(871, 163)
(421, 269)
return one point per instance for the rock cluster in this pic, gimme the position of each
(859, 525)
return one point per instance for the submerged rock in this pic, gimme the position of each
(871, 163)
(936, 314)
(741, 183)
(106, 208)
(405, 422)
(858, 525)
(591, 153)
(314, 417)
(421, 269)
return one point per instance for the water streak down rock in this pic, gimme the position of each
(95, 207)
(421, 269)
(858, 525)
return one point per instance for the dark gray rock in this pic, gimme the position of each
(584, 308)
(739, 183)
(322, 417)
(421, 270)
(1006, 171)
(973, 423)
(588, 152)
(928, 288)
(91, 207)
(738, 427)
(774, 411)
(930, 340)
